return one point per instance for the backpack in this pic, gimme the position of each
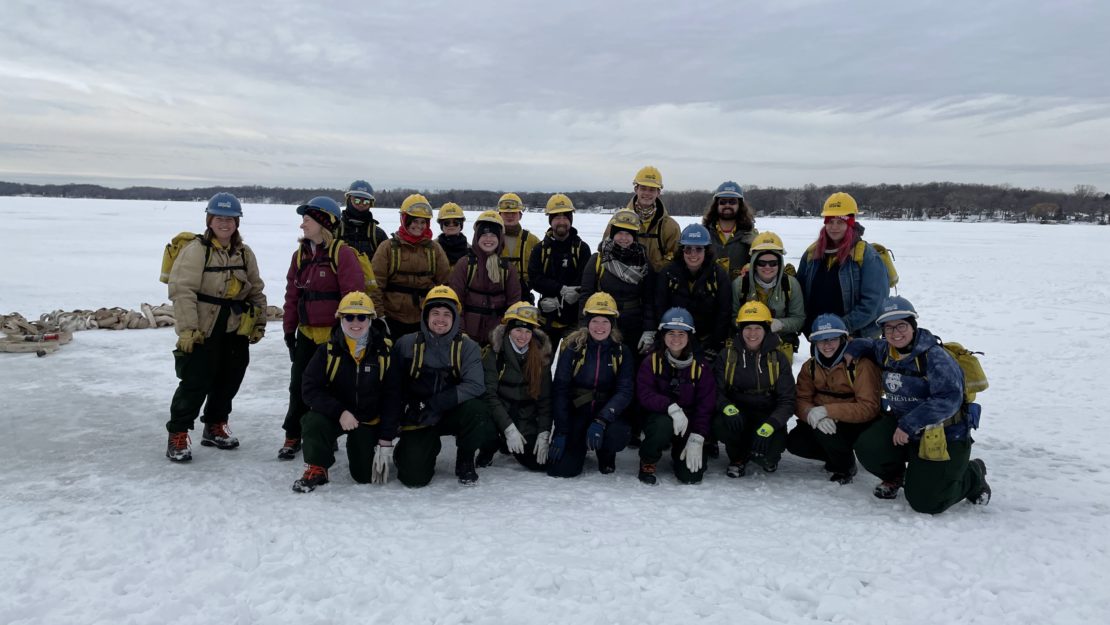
(178, 243)
(975, 379)
(421, 345)
(370, 284)
(331, 368)
(885, 255)
(730, 365)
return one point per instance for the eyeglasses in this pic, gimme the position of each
(899, 328)
(350, 318)
(767, 263)
(693, 249)
(728, 201)
(361, 201)
(451, 223)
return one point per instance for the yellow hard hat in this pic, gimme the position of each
(355, 303)
(523, 312)
(625, 219)
(450, 210)
(840, 204)
(442, 294)
(558, 203)
(649, 176)
(510, 203)
(490, 217)
(601, 303)
(417, 205)
(753, 312)
(767, 242)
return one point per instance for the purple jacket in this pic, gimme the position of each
(313, 291)
(697, 397)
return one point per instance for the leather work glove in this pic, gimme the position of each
(734, 421)
(678, 416)
(776, 325)
(762, 442)
(594, 434)
(543, 442)
(514, 440)
(188, 340)
(291, 344)
(383, 455)
(818, 419)
(692, 452)
(558, 446)
(647, 339)
(256, 334)
(549, 304)
(570, 294)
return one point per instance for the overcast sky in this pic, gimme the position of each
(553, 96)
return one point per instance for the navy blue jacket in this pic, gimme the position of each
(612, 388)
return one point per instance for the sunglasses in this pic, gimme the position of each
(361, 201)
(766, 263)
(728, 201)
(350, 318)
(508, 205)
(451, 223)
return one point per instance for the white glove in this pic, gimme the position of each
(776, 326)
(679, 418)
(692, 452)
(514, 440)
(379, 473)
(818, 419)
(543, 441)
(347, 421)
(647, 339)
(569, 294)
(549, 304)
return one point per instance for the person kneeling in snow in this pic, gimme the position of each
(345, 393)
(836, 401)
(438, 372)
(922, 442)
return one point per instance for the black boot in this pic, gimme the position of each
(843, 477)
(888, 489)
(982, 496)
(464, 469)
(647, 473)
(485, 457)
(606, 462)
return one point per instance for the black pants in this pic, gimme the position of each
(835, 450)
(615, 439)
(319, 434)
(209, 376)
(302, 353)
(469, 422)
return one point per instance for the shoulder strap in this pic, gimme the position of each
(394, 256)
(332, 366)
(418, 347)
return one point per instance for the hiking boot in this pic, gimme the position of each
(178, 448)
(313, 476)
(647, 473)
(464, 470)
(982, 496)
(217, 435)
(713, 451)
(887, 489)
(843, 477)
(289, 449)
(737, 469)
(765, 463)
(485, 458)
(606, 462)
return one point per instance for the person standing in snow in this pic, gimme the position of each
(555, 269)
(836, 401)
(219, 309)
(731, 224)
(593, 385)
(438, 372)
(765, 280)
(518, 387)
(679, 393)
(922, 440)
(519, 243)
(695, 283)
(319, 275)
(755, 394)
(657, 231)
(344, 388)
(358, 228)
(451, 238)
(485, 282)
(841, 274)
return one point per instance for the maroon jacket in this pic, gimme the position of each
(312, 293)
(483, 300)
(697, 398)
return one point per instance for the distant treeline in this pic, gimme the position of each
(894, 201)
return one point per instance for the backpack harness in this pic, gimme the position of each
(471, 269)
(421, 345)
(417, 293)
(731, 357)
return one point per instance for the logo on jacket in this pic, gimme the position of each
(893, 382)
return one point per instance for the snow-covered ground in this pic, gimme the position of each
(96, 526)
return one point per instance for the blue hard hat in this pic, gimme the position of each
(225, 205)
(362, 189)
(677, 319)
(321, 203)
(695, 234)
(827, 326)
(894, 308)
(728, 189)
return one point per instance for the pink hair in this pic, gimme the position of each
(844, 249)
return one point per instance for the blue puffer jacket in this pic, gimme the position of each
(611, 387)
(918, 398)
(863, 287)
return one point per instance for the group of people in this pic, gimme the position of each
(663, 338)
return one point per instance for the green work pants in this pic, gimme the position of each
(658, 434)
(318, 436)
(469, 422)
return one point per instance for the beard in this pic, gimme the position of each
(561, 230)
(726, 212)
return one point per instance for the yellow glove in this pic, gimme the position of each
(186, 341)
(257, 334)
